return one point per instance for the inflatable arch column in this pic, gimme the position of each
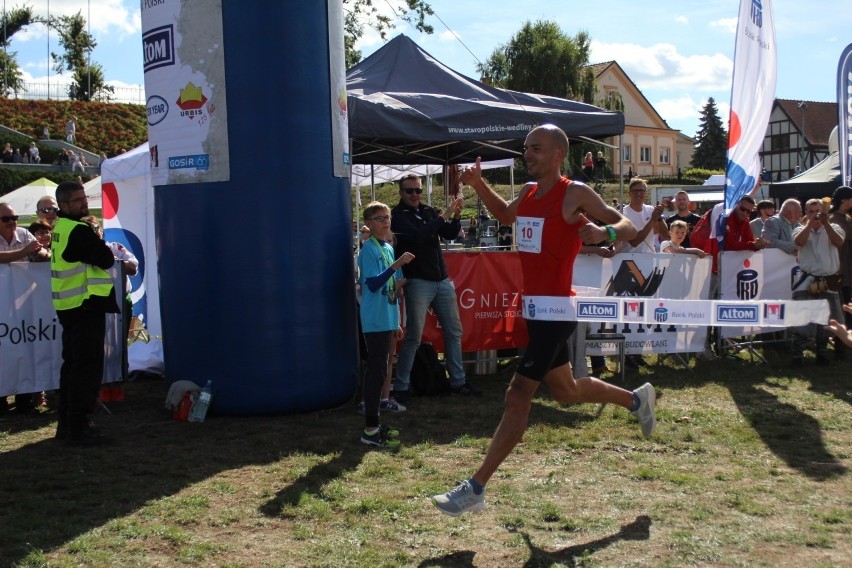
(254, 229)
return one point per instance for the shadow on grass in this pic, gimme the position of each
(639, 529)
(792, 435)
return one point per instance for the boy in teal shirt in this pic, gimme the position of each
(381, 283)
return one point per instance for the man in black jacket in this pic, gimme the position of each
(417, 229)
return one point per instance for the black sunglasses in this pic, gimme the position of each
(410, 190)
(49, 210)
(7, 218)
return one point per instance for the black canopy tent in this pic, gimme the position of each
(817, 182)
(405, 106)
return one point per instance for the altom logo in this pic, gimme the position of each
(158, 47)
(600, 310)
(737, 313)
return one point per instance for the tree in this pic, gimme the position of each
(711, 141)
(13, 21)
(542, 59)
(359, 14)
(78, 44)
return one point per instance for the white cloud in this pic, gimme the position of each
(119, 18)
(681, 19)
(726, 24)
(661, 67)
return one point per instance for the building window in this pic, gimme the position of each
(780, 141)
(628, 153)
(645, 154)
(664, 156)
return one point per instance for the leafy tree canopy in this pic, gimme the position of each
(362, 14)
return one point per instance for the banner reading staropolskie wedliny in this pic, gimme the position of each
(184, 62)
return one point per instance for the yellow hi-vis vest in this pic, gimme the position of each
(73, 282)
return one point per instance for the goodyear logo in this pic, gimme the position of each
(737, 313)
(158, 47)
(157, 108)
(600, 310)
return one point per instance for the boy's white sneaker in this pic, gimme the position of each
(460, 499)
(645, 412)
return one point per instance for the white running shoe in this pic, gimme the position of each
(645, 412)
(460, 499)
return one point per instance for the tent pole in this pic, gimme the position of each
(621, 168)
(372, 182)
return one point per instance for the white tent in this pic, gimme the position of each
(24, 199)
(128, 206)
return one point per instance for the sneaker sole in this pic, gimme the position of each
(389, 444)
(472, 509)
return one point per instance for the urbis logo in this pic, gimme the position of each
(599, 310)
(158, 47)
(191, 101)
(737, 314)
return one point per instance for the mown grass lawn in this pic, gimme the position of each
(749, 467)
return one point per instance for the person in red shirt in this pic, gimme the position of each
(551, 227)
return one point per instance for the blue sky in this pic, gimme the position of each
(679, 53)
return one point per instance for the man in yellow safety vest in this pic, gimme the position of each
(83, 294)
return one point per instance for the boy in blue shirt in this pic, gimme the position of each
(381, 283)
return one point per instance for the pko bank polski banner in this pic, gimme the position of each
(752, 95)
(185, 86)
(30, 333)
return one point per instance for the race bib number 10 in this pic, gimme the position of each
(528, 238)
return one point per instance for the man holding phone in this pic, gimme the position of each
(417, 229)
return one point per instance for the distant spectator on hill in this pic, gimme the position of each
(45, 133)
(17, 157)
(83, 161)
(8, 153)
(35, 158)
(101, 159)
(71, 130)
(74, 160)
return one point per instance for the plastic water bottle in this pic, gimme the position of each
(199, 409)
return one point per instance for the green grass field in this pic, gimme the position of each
(749, 467)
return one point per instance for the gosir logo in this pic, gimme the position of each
(157, 109)
(158, 47)
(737, 314)
(601, 310)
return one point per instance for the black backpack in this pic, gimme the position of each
(428, 376)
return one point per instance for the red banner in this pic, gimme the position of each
(488, 293)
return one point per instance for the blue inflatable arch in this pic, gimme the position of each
(256, 274)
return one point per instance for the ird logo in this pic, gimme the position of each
(604, 310)
(737, 314)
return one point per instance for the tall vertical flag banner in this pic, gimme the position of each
(184, 65)
(844, 111)
(752, 95)
(337, 77)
